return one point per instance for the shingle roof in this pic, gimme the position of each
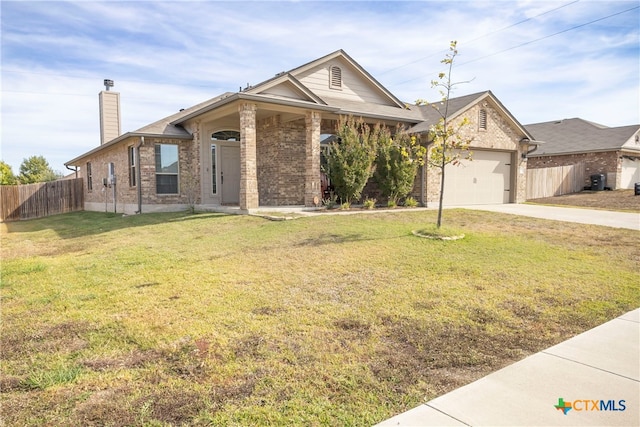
(430, 115)
(165, 126)
(578, 136)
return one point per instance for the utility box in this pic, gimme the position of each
(598, 182)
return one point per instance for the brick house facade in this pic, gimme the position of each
(596, 149)
(261, 146)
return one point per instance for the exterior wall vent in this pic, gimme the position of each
(482, 119)
(335, 77)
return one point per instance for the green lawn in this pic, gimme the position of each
(171, 319)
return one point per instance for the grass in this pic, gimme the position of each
(173, 319)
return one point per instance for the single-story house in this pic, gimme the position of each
(261, 146)
(594, 148)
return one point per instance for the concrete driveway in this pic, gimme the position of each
(628, 220)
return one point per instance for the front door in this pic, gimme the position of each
(230, 174)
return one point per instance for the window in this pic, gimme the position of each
(335, 77)
(111, 173)
(166, 169)
(226, 135)
(132, 166)
(214, 188)
(89, 177)
(482, 119)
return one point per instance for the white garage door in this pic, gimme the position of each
(630, 172)
(484, 180)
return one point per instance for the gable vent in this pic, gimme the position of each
(482, 119)
(335, 78)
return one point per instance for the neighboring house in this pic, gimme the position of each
(261, 146)
(591, 147)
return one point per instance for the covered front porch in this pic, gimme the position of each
(257, 154)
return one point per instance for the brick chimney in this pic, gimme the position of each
(109, 113)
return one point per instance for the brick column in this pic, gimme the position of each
(248, 166)
(312, 188)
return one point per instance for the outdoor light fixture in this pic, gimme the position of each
(107, 84)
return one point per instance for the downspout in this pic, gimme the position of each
(139, 175)
(73, 170)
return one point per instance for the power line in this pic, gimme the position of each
(481, 37)
(548, 36)
(533, 41)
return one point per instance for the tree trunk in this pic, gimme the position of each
(439, 223)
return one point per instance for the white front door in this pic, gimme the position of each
(230, 174)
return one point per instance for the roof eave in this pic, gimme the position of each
(123, 137)
(255, 98)
(568, 153)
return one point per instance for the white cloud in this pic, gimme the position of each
(165, 56)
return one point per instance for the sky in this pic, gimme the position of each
(544, 60)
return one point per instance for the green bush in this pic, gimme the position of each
(369, 203)
(397, 163)
(410, 202)
(351, 157)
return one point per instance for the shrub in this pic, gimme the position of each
(351, 157)
(369, 203)
(397, 163)
(410, 202)
(331, 201)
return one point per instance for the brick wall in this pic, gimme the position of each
(281, 160)
(499, 135)
(602, 162)
(126, 195)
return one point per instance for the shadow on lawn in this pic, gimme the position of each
(334, 238)
(81, 224)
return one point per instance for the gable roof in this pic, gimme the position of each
(286, 88)
(284, 84)
(457, 106)
(341, 54)
(579, 136)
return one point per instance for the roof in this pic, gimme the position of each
(579, 136)
(165, 127)
(397, 111)
(286, 89)
(456, 106)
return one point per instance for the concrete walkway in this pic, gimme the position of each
(596, 374)
(628, 220)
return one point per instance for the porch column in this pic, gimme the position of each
(248, 166)
(312, 190)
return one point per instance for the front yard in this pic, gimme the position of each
(171, 319)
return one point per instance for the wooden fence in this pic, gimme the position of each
(555, 181)
(41, 199)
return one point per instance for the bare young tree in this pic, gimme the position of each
(448, 144)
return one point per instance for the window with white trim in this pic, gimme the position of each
(335, 77)
(166, 168)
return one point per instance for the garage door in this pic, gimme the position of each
(485, 180)
(630, 172)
